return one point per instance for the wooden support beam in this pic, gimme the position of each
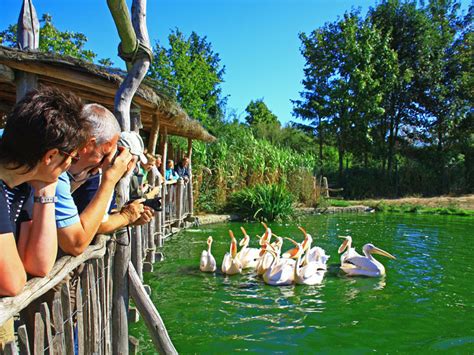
(150, 314)
(7, 75)
(28, 39)
(155, 131)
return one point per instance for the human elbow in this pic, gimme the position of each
(74, 250)
(15, 286)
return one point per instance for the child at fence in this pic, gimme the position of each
(182, 169)
(41, 138)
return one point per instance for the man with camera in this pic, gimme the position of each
(138, 211)
(77, 229)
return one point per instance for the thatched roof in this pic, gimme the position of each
(95, 84)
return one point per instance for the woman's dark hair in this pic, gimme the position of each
(44, 119)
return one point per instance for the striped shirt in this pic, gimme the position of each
(16, 206)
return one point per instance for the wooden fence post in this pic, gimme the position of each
(28, 39)
(179, 201)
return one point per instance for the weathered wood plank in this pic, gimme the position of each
(86, 311)
(58, 343)
(23, 340)
(10, 348)
(136, 256)
(150, 314)
(39, 335)
(120, 294)
(133, 344)
(67, 316)
(37, 286)
(6, 74)
(109, 290)
(79, 318)
(94, 339)
(102, 302)
(44, 310)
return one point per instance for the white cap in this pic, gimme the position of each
(134, 142)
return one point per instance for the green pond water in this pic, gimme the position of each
(425, 303)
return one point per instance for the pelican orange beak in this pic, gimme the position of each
(243, 230)
(264, 225)
(294, 253)
(233, 244)
(343, 245)
(209, 240)
(244, 240)
(383, 252)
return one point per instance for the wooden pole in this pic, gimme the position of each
(190, 186)
(28, 39)
(155, 131)
(150, 314)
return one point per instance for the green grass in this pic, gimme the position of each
(263, 202)
(409, 208)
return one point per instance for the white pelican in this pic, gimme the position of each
(231, 264)
(366, 265)
(248, 256)
(311, 273)
(305, 245)
(280, 273)
(350, 252)
(208, 263)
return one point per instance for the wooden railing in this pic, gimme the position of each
(59, 327)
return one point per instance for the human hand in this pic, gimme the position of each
(133, 210)
(113, 170)
(145, 217)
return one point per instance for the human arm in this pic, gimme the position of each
(74, 239)
(37, 242)
(12, 272)
(129, 214)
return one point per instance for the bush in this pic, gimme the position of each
(263, 202)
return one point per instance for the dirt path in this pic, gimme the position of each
(464, 202)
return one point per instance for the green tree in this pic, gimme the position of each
(193, 70)
(344, 84)
(53, 40)
(258, 112)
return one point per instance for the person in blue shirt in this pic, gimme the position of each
(170, 173)
(42, 137)
(77, 230)
(182, 169)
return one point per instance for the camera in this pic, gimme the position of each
(154, 203)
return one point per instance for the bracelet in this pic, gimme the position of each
(45, 199)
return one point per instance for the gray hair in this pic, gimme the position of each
(104, 125)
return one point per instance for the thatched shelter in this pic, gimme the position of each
(98, 84)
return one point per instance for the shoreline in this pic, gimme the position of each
(465, 202)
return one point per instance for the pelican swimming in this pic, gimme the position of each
(248, 256)
(231, 265)
(280, 273)
(366, 265)
(309, 274)
(350, 252)
(208, 263)
(305, 245)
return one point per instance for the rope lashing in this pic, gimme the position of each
(140, 51)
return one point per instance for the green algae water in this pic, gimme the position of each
(425, 303)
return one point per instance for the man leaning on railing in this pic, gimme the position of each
(42, 137)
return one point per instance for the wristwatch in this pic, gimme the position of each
(45, 199)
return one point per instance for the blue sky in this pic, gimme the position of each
(257, 40)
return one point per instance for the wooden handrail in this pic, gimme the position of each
(38, 286)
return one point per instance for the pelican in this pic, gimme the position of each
(350, 252)
(366, 265)
(280, 273)
(305, 245)
(231, 264)
(311, 273)
(247, 256)
(208, 263)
